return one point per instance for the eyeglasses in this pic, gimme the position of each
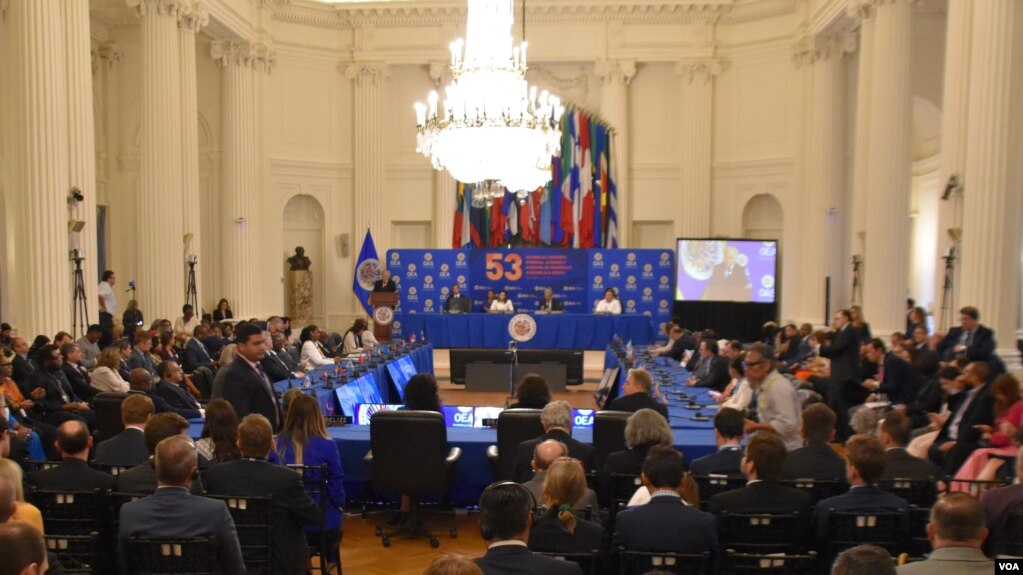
(748, 364)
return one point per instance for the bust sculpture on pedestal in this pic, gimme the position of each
(301, 283)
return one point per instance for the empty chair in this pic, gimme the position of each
(170, 556)
(513, 427)
(409, 455)
(851, 528)
(762, 532)
(608, 434)
(919, 492)
(711, 485)
(773, 564)
(107, 407)
(76, 553)
(71, 512)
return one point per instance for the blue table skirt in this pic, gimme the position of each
(553, 331)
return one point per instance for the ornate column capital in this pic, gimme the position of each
(440, 72)
(864, 9)
(258, 55)
(693, 69)
(105, 55)
(619, 72)
(157, 7)
(369, 74)
(194, 15)
(809, 48)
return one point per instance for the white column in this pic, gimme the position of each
(954, 115)
(443, 183)
(161, 278)
(192, 20)
(615, 76)
(696, 97)
(858, 202)
(991, 219)
(891, 117)
(240, 178)
(369, 169)
(822, 198)
(82, 148)
(39, 169)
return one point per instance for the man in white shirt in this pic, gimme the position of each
(188, 320)
(774, 397)
(107, 301)
(610, 304)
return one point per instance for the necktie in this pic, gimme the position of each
(880, 372)
(270, 390)
(969, 338)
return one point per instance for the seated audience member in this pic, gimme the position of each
(75, 373)
(636, 394)
(816, 459)
(545, 454)
(970, 342)
(223, 311)
(448, 564)
(253, 475)
(22, 549)
(218, 441)
(215, 341)
(141, 382)
(128, 448)
(666, 523)
(171, 512)
(107, 375)
(557, 424)
(303, 441)
(930, 397)
(712, 371)
(187, 321)
(609, 304)
(738, 394)
(677, 344)
(28, 432)
(961, 434)
(866, 465)
(549, 302)
(73, 473)
(59, 403)
(983, 463)
(491, 298)
(998, 504)
(952, 391)
(532, 392)
(644, 429)
(895, 378)
(421, 393)
(10, 473)
(353, 340)
(559, 529)
(505, 520)
(140, 357)
(502, 304)
(276, 368)
(171, 387)
(864, 560)
(284, 355)
(24, 363)
(778, 405)
(956, 533)
(142, 477)
(728, 432)
(24, 442)
(196, 355)
(893, 432)
(762, 464)
(313, 354)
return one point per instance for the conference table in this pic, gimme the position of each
(553, 330)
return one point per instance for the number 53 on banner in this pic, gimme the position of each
(507, 266)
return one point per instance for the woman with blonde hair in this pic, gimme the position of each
(303, 441)
(449, 564)
(24, 512)
(559, 529)
(106, 376)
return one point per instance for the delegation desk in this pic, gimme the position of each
(553, 331)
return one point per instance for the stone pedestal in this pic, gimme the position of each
(300, 296)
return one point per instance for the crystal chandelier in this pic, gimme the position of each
(491, 125)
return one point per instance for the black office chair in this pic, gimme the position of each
(253, 521)
(202, 379)
(171, 556)
(321, 545)
(107, 407)
(76, 553)
(772, 564)
(641, 562)
(114, 470)
(71, 512)
(513, 427)
(608, 435)
(711, 485)
(586, 561)
(762, 533)
(847, 529)
(819, 489)
(919, 492)
(409, 455)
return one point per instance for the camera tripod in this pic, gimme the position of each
(948, 290)
(191, 297)
(79, 303)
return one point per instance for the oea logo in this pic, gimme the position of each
(583, 418)
(462, 417)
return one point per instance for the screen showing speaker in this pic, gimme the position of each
(726, 270)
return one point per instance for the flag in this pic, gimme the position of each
(611, 238)
(585, 198)
(367, 271)
(568, 222)
(599, 184)
(456, 239)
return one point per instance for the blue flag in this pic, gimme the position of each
(367, 271)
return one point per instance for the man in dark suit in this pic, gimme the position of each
(456, 302)
(128, 448)
(246, 385)
(254, 476)
(173, 513)
(73, 473)
(556, 418)
(59, 403)
(713, 369)
(666, 523)
(142, 477)
(140, 382)
(970, 342)
(956, 533)
(844, 389)
(765, 456)
(549, 303)
(196, 355)
(728, 431)
(171, 388)
(76, 375)
(284, 355)
(123, 345)
(678, 344)
(386, 283)
(895, 377)
(23, 366)
(998, 504)
(544, 455)
(960, 436)
(893, 432)
(866, 465)
(274, 366)
(636, 394)
(140, 358)
(816, 459)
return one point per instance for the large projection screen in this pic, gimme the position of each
(726, 270)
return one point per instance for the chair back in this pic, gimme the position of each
(171, 556)
(758, 533)
(75, 553)
(919, 492)
(107, 407)
(974, 486)
(819, 488)
(587, 561)
(314, 478)
(711, 485)
(772, 564)
(1014, 526)
(639, 562)
(202, 379)
(513, 427)
(253, 521)
(114, 470)
(623, 485)
(851, 528)
(608, 435)
(71, 512)
(409, 451)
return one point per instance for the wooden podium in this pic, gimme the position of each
(383, 303)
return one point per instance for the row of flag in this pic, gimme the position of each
(577, 208)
